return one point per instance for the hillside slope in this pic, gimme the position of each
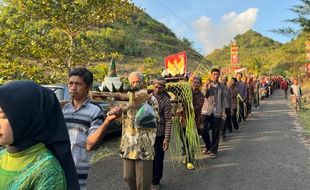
(272, 56)
(150, 38)
(40, 50)
(251, 44)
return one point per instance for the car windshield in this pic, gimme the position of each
(61, 91)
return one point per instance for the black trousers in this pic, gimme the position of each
(249, 107)
(205, 127)
(285, 93)
(158, 162)
(227, 125)
(241, 111)
(256, 100)
(214, 124)
(234, 119)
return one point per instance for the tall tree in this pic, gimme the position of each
(58, 34)
(256, 66)
(302, 19)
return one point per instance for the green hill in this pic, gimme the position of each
(251, 44)
(44, 49)
(290, 57)
(147, 38)
(263, 55)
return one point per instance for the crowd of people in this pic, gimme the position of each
(48, 146)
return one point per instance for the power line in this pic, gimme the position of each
(179, 18)
(189, 7)
(183, 21)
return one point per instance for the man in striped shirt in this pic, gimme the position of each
(84, 121)
(163, 130)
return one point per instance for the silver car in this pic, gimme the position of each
(61, 91)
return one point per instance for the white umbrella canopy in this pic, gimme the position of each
(241, 70)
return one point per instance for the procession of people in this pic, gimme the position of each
(39, 137)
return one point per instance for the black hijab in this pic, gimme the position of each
(35, 116)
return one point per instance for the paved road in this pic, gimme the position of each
(267, 154)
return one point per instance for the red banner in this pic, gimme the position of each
(176, 64)
(234, 56)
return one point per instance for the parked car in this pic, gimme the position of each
(60, 90)
(115, 126)
(63, 95)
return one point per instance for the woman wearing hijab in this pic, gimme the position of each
(37, 148)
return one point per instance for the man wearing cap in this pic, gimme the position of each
(138, 139)
(163, 130)
(198, 99)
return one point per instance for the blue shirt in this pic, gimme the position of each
(81, 123)
(242, 90)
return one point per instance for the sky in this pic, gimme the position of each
(211, 24)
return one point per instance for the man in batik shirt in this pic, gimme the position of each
(137, 143)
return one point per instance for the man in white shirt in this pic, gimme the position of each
(296, 93)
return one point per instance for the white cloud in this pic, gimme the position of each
(215, 36)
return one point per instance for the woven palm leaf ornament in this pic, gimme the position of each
(183, 117)
(184, 128)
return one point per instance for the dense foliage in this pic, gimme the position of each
(302, 19)
(42, 40)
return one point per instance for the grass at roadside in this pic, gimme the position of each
(306, 87)
(108, 148)
(305, 115)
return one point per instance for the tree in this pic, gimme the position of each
(187, 42)
(256, 66)
(58, 34)
(100, 71)
(302, 19)
(151, 68)
(17, 71)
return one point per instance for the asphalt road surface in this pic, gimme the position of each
(269, 153)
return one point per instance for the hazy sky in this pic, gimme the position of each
(210, 24)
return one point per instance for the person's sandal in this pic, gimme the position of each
(205, 151)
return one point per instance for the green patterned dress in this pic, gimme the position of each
(32, 169)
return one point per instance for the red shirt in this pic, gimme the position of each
(284, 85)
